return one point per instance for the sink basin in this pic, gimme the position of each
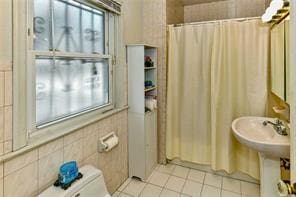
(251, 132)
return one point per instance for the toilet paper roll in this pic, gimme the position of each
(111, 143)
(149, 103)
(155, 103)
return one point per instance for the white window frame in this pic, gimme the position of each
(25, 130)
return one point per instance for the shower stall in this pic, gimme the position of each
(217, 71)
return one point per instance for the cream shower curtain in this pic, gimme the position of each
(216, 73)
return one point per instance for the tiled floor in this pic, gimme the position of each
(176, 181)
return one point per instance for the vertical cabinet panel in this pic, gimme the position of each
(151, 141)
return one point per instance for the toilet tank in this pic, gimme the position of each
(92, 184)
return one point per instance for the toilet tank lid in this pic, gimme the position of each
(89, 174)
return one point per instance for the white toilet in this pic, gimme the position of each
(92, 184)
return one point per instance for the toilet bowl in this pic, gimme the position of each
(92, 184)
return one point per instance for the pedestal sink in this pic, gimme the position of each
(251, 132)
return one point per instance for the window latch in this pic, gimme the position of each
(114, 60)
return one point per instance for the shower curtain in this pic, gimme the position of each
(216, 73)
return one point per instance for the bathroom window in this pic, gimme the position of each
(65, 53)
(73, 71)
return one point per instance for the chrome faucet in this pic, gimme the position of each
(278, 126)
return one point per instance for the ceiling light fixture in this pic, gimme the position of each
(277, 10)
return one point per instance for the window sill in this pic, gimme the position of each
(38, 141)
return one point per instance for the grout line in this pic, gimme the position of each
(126, 184)
(204, 178)
(38, 170)
(143, 188)
(221, 187)
(3, 179)
(216, 174)
(183, 186)
(241, 191)
(167, 182)
(231, 191)
(202, 188)
(185, 179)
(63, 149)
(127, 194)
(14, 171)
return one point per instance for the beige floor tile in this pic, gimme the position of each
(158, 178)
(175, 183)
(134, 188)
(184, 195)
(169, 193)
(124, 195)
(229, 194)
(232, 185)
(116, 194)
(157, 166)
(192, 188)
(250, 189)
(180, 171)
(151, 191)
(209, 191)
(196, 175)
(123, 186)
(213, 180)
(166, 168)
(245, 195)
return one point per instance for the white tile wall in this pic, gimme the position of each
(224, 10)
(20, 162)
(23, 182)
(47, 166)
(32, 172)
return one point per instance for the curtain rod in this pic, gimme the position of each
(215, 21)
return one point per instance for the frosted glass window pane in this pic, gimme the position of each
(93, 31)
(67, 27)
(42, 25)
(43, 89)
(78, 28)
(70, 86)
(86, 28)
(98, 33)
